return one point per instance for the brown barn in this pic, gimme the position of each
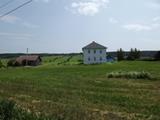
(29, 60)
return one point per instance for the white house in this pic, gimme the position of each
(94, 53)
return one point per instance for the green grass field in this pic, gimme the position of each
(67, 90)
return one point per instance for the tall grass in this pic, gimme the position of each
(80, 92)
(130, 75)
(10, 111)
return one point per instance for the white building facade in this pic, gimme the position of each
(94, 53)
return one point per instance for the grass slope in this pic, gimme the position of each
(79, 92)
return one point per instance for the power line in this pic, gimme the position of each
(16, 8)
(5, 4)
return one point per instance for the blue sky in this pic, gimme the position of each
(64, 26)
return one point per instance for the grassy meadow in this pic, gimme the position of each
(62, 88)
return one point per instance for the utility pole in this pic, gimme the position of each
(27, 50)
(27, 55)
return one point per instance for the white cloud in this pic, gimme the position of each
(156, 19)
(153, 5)
(156, 22)
(88, 8)
(10, 19)
(155, 25)
(14, 34)
(113, 20)
(137, 27)
(29, 25)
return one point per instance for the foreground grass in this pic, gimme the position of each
(77, 92)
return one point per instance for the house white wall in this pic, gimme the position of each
(94, 56)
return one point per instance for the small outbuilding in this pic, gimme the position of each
(29, 60)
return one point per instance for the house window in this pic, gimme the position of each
(94, 58)
(89, 51)
(94, 51)
(100, 58)
(100, 51)
(89, 59)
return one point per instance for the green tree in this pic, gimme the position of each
(134, 54)
(131, 55)
(1, 64)
(157, 56)
(137, 54)
(13, 63)
(120, 54)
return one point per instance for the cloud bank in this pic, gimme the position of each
(12, 19)
(155, 24)
(137, 27)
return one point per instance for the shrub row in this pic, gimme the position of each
(130, 75)
(65, 61)
(12, 63)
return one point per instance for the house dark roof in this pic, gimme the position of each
(94, 45)
(28, 58)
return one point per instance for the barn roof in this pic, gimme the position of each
(94, 45)
(27, 57)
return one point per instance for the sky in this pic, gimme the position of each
(65, 26)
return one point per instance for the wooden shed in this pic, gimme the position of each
(29, 60)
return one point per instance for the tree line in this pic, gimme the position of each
(134, 54)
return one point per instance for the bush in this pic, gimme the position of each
(130, 75)
(80, 62)
(6, 110)
(9, 111)
(1, 65)
(157, 56)
(12, 63)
